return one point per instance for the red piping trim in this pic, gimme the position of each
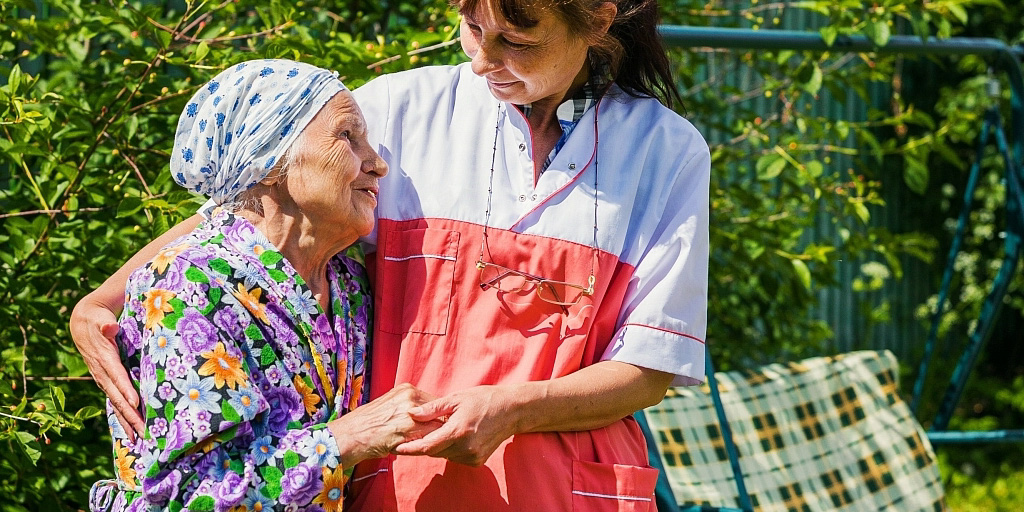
(670, 331)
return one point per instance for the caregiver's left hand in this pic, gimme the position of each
(476, 420)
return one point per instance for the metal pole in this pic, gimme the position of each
(747, 39)
(739, 38)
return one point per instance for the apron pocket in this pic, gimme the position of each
(417, 273)
(601, 487)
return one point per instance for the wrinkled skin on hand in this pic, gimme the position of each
(374, 429)
(93, 328)
(476, 421)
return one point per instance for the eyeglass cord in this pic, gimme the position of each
(490, 190)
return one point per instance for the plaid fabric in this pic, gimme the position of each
(571, 111)
(827, 433)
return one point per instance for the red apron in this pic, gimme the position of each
(437, 329)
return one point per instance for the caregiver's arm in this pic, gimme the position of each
(94, 325)
(480, 418)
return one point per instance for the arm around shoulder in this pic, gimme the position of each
(94, 324)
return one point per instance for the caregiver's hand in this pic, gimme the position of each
(374, 429)
(93, 327)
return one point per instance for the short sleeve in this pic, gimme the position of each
(663, 320)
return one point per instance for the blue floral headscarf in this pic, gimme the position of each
(240, 124)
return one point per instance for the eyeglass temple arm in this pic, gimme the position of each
(480, 265)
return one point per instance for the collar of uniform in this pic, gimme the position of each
(572, 109)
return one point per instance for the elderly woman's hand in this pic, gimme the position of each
(93, 327)
(373, 430)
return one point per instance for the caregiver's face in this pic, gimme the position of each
(333, 174)
(522, 65)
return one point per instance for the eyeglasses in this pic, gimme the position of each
(504, 279)
(507, 280)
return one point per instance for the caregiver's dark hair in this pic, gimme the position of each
(632, 48)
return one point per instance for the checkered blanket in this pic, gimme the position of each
(827, 433)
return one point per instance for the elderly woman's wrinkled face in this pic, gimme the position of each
(522, 65)
(333, 173)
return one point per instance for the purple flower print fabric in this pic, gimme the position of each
(223, 339)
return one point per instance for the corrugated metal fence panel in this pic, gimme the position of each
(843, 309)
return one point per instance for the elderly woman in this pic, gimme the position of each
(541, 261)
(247, 337)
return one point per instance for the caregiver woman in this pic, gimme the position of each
(541, 260)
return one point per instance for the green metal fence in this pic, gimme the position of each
(839, 307)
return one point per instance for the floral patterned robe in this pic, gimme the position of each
(219, 333)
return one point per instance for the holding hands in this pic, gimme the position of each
(374, 429)
(475, 422)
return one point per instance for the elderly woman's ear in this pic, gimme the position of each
(275, 176)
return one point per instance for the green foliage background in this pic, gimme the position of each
(93, 91)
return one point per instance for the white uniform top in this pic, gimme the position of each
(435, 128)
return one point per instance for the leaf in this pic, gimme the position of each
(829, 34)
(270, 258)
(88, 412)
(770, 166)
(229, 413)
(842, 129)
(57, 394)
(133, 125)
(202, 503)
(195, 275)
(254, 333)
(862, 212)
(784, 56)
(277, 275)
(160, 224)
(73, 363)
(29, 445)
(14, 79)
(812, 83)
(202, 51)
(915, 175)
(267, 355)
(878, 32)
(272, 476)
(815, 168)
(128, 206)
(958, 12)
(221, 267)
(802, 272)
